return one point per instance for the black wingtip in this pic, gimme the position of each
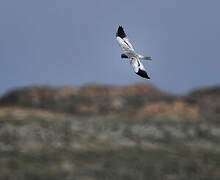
(147, 77)
(121, 32)
(143, 74)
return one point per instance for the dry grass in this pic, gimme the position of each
(40, 145)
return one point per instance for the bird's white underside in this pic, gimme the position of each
(132, 55)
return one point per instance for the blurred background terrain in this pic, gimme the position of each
(107, 132)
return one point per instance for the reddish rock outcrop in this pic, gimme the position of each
(141, 99)
(177, 109)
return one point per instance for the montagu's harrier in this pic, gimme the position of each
(131, 55)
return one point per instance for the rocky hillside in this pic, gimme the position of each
(99, 132)
(42, 145)
(207, 99)
(137, 100)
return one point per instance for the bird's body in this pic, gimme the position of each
(131, 54)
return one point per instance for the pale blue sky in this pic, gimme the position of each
(72, 43)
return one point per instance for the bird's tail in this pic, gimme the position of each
(144, 57)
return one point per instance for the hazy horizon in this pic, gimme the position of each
(72, 43)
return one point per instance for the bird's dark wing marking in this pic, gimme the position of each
(143, 74)
(127, 44)
(121, 32)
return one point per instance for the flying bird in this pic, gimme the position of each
(130, 54)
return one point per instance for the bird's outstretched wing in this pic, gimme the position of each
(139, 68)
(123, 40)
(130, 54)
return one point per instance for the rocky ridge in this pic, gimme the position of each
(137, 100)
